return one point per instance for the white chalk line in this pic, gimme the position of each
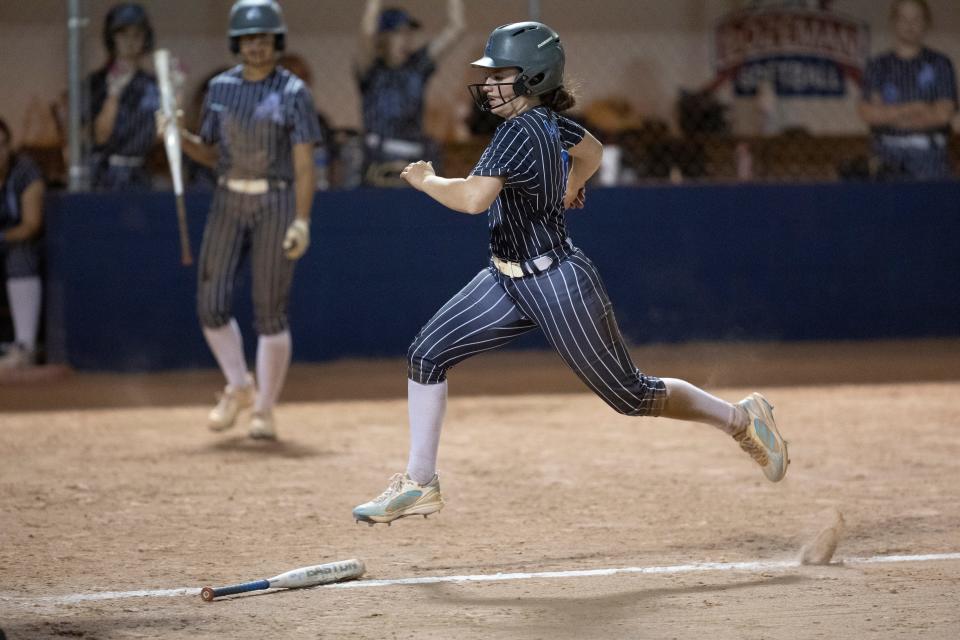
(696, 567)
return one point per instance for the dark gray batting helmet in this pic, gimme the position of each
(249, 17)
(532, 47)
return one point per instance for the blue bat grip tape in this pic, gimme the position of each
(241, 588)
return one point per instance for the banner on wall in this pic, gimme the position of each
(799, 48)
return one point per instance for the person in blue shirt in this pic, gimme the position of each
(258, 130)
(21, 222)
(534, 169)
(392, 72)
(123, 98)
(910, 98)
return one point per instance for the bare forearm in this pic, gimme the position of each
(368, 34)
(103, 124)
(453, 193)
(26, 230)
(582, 170)
(304, 184)
(456, 24)
(368, 25)
(197, 150)
(585, 160)
(31, 204)
(926, 115)
(908, 115)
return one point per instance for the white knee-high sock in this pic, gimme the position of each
(273, 360)
(426, 404)
(227, 346)
(25, 296)
(687, 402)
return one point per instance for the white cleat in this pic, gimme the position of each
(230, 404)
(761, 438)
(403, 498)
(262, 426)
(16, 356)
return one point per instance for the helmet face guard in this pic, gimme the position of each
(482, 99)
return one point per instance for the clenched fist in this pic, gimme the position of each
(416, 172)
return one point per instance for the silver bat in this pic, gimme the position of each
(172, 143)
(295, 579)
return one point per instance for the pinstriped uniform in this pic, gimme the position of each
(21, 259)
(393, 97)
(567, 301)
(254, 125)
(133, 135)
(928, 77)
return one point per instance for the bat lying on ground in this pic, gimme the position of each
(171, 141)
(295, 579)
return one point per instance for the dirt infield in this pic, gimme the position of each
(133, 494)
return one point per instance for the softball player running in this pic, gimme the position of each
(537, 278)
(258, 128)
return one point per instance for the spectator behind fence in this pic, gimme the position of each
(393, 76)
(123, 99)
(21, 220)
(909, 99)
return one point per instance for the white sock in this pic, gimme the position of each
(25, 296)
(227, 346)
(426, 404)
(273, 360)
(687, 402)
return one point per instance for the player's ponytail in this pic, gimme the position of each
(560, 99)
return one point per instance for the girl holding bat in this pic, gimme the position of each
(258, 129)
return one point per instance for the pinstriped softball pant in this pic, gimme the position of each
(568, 303)
(240, 225)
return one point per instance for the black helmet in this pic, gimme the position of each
(248, 17)
(532, 47)
(123, 15)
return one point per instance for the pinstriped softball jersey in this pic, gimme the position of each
(21, 259)
(567, 300)
(393, 97)
(527, 218)
(133, 135)
(928, 77)
(254, 125)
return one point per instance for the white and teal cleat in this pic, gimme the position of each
(761, 439)
(403, 497)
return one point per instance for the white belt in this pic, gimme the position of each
(249, 187)
(915, 141)
(515, 269)
(395, 146)
(125, 161)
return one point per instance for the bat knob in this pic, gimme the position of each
(207, 594)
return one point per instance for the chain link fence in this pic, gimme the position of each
(679, 91)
